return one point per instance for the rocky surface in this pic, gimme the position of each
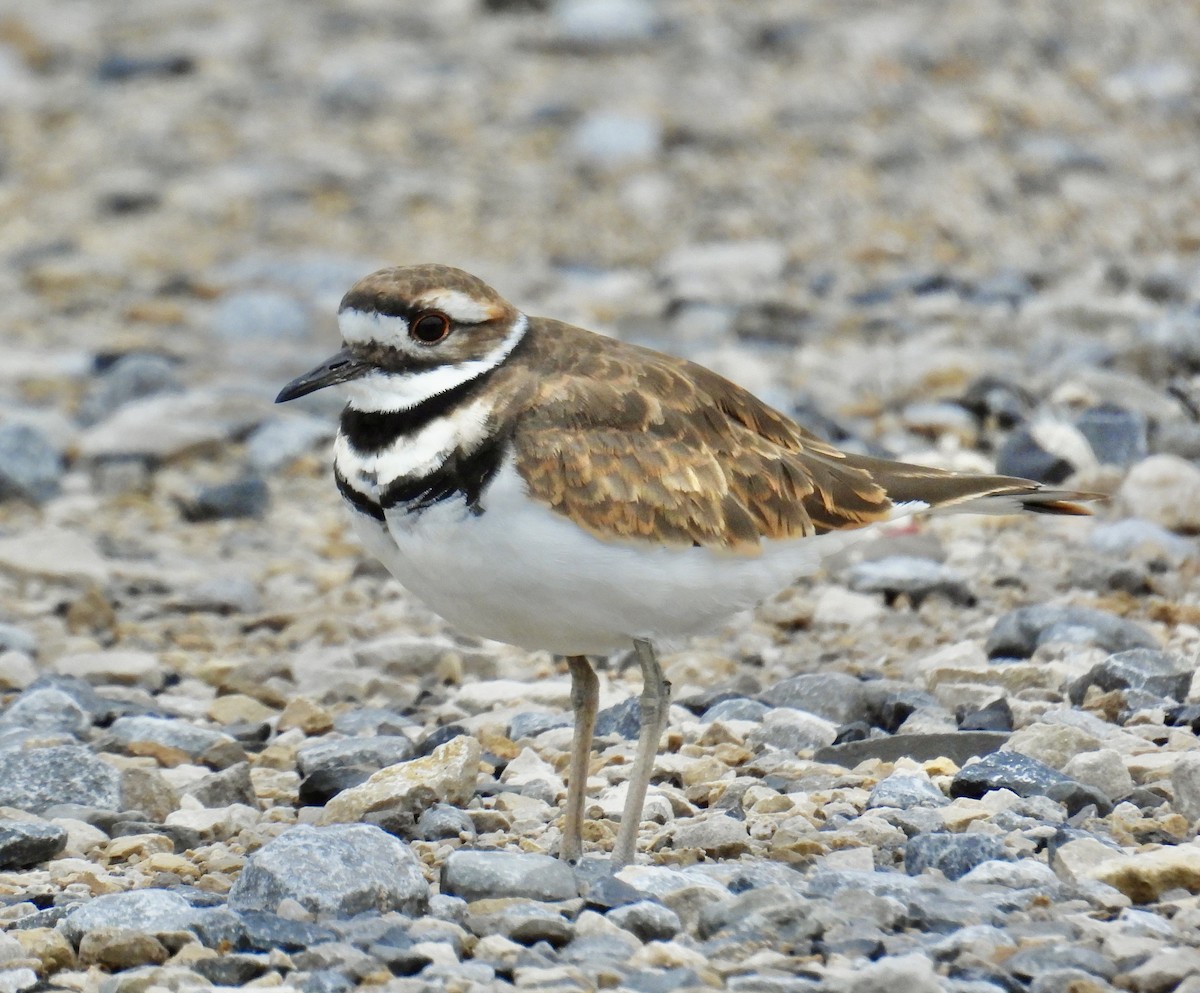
(962, 758)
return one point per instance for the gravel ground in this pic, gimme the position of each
(233, 752)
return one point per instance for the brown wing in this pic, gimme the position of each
(633, 444)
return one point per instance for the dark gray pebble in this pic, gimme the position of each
(245, 497)
(131, 377)
(954, 854)
(229, 786)
(1023, 775)
(1022, 456)
(623, 719)
(647, 920)
(834, 696)
(322, 785)
(1145, 669)
(1019, 632)
(444, 821)
(26, 843)
(374, 753)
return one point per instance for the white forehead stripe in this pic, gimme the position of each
(359, 327)
(378, 391)
(460, 307)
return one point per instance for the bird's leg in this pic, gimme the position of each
(656, 701)
(585, 697)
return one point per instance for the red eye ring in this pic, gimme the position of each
(429, 328)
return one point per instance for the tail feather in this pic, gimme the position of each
(939, 491)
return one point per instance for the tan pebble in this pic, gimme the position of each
(137, 846)
(305, 714)
(238, 708)
(177, 865)
(49, 947)
(120, 948)
(279, 757)
(1144, 876)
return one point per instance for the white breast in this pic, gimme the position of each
(522, 574)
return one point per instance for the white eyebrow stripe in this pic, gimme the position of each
(360, 327)
(462, 308)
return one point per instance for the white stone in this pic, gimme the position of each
(1164, 489)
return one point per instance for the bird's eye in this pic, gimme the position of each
(429, 329)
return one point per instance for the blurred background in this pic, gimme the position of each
(964, 232)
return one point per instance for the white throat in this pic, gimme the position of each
(381, 391)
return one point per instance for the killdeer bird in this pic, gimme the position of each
(542, 485)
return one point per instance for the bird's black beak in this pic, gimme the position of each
(339, 368)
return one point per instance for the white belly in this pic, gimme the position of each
(522, 574)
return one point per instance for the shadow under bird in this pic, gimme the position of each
(546, 486)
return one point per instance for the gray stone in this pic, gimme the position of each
(150, 735)
(1134, 536)
(646, 920)
(245, 497)
(263, 314)
(150, 911)
(47, 710)
(489, 875)
(283, 439)
(623, 718)
(954, 854)
(523, 921)
(831, 695)
(1185, 782)
(916, 578)
(221, 595)
(15, 639)
(604, 24)
(792, 731)
(905, 790)
(1148, 670)
(24, 844)
(604, 140)
(444, 821)
(1117, 435)
(30, 464)
(1022, 455)
(529, 724)
(37, 778)
(1006, 770)
(18, 980)
(374, 753)
(1030, 962)
(339, 870)
(737, 709)
(130, 378)
(718, 835)
(229, 786)
(1019, 632)
(958, 746)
